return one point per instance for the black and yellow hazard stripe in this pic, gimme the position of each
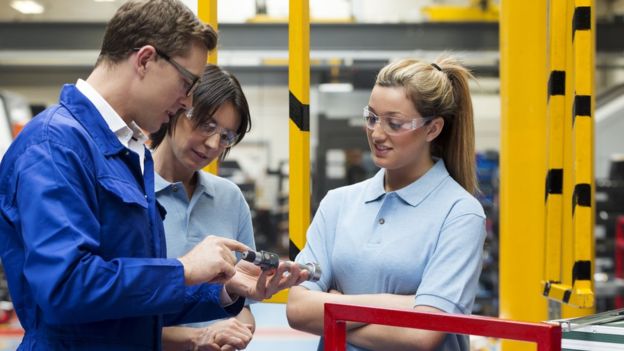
(207, 13)
(583, 134)
(299, 125)
(570, 88)
(554, 143)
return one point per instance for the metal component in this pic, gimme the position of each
(263, 259)
(314, 270)
(595, 319)
(268, 260)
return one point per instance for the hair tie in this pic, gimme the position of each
(436, 67)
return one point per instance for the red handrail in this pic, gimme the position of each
(547, 336)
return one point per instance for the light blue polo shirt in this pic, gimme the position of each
(425, 239)
(217, 207)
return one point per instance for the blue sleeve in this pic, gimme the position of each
(203, 303)
(320, 242)
(70, 281)
(451, 277)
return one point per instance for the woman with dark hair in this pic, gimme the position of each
(199, 203)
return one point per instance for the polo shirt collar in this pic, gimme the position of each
(414, 193)
(204, 183)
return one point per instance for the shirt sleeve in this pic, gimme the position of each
(451, 276)
(70, 282)
(245, 233)
(202, 304)
(320, 241)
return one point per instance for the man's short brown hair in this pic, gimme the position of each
(168, 25)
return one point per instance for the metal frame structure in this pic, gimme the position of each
(207, 12)
(299, 123)
(570, 178)
(522, 162)
(547, 336)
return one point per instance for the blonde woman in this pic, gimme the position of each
(412, 235)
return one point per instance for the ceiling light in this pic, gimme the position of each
(27, 7)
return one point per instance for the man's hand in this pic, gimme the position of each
(211, 261)
(228, 334)
(252, 282)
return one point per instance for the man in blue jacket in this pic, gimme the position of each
(82, 240)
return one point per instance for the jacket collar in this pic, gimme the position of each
(88, 116)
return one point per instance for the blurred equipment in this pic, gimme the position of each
(601, 331)
(486, 302)
(17, 108)
(609, 237)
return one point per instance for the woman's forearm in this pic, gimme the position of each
(305, 308)
(381, 337)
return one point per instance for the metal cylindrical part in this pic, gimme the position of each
(264, 259)
(267, 260)
(314, 270)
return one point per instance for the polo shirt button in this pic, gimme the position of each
(382, 221)
(175, 189)
(127, 153)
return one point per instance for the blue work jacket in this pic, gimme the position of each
(82, 240)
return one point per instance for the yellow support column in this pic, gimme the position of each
(299, 129)
(557, 26)
(583, 24)
(299, 125)
(207, 13)
(568, 161)
(523, 162)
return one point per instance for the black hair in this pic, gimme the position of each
(216, 87)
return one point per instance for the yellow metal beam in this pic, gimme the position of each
(477, 11)
(583, 24)
(568, 161)
(299, 128)
(575, 286)
(299, 124)
(523, 162)
(555, 119)
(207, 13)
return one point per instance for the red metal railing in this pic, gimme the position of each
(547, 336)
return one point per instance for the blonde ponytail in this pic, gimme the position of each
(441, 89)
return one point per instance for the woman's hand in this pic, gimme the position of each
(252, 282)
(228, 334)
